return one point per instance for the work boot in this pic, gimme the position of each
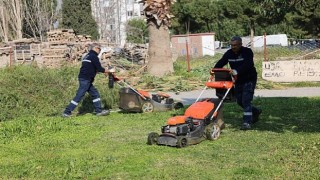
(65, 115)
(255, 117)
(103, 113)
(245, 126)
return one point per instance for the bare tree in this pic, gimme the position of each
(11, 20)
(158, 13)
(36, 14)
(3, 23)
(104, 13)
(16, 17)
(39, 17)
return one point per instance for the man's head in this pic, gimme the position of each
(236, 43)
(96, 47)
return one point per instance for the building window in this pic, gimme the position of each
(183, 52)
(195, 51)
(129, 13)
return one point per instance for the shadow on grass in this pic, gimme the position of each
(86, 105)
(280, 114)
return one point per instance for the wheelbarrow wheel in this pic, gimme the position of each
(182, 142)
(152, 138)
(147, 107)
(213, 132)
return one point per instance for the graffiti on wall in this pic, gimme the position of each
(291, 71)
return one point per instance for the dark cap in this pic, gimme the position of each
(236, 38)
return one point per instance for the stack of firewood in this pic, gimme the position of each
(136, 53)
(106, 53)
(158, 10)
(61, 35)
(83, 38)
(66, 35)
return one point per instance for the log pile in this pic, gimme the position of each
(64, 46)
(61, 35)
(66, 35)
(136, 53)
(106, 53)
(53, 55)
(83, 38)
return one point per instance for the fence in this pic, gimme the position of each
(293, 49)
(284, 60)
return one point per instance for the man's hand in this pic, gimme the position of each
(211, 72)
(112, 70)
(233, 72)
(109, 70)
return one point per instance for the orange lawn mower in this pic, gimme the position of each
(202, 119)
(133, 100)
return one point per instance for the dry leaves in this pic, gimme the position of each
(160, 10)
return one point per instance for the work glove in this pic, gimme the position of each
(233, 72)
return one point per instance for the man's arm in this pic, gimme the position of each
(248, 62)
(97, 65)
(222, 62)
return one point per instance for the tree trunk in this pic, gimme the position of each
(3, 24)
(252, 34)
(160, 56)
(17, 17)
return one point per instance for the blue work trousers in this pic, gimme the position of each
(244, 93)
(85, 86)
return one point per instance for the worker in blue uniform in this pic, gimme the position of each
(89, 68)
(242, 66)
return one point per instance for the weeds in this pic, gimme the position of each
(28, 91)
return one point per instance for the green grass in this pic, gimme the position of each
(284, 144)
(28, 91)
(36, 143)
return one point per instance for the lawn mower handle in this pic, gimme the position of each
(113, 78)
(212, 73)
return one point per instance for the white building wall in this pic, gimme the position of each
(275, 39)
(208, 45)
(123, 10)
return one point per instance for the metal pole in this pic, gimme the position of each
(265, 47)
(10, 64)
(220, 103)
(188, 57)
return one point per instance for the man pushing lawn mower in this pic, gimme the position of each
(89, 68)
(241, 62)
